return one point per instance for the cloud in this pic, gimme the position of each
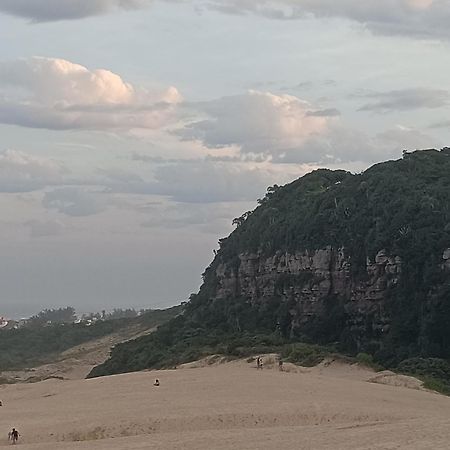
(338, 145)
(199, 181)
(58, 94)
(329, 112)
(209, 182)
(51, 10)
(416, 18)
(256, 122)
(73, 201)
(207, 218)
(283, 129)
(21, 172)
(401, 137)
(407, 99)
(342, 145)
(44, 228)
(440, 124)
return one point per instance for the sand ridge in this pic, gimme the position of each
(222, 405)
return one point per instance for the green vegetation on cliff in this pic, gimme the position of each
(401, 207)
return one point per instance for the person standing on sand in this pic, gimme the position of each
(280, 364)
(14, 436)
(259, 363)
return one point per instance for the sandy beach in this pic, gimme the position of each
(225, 406)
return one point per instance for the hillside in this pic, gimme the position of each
(37, 352)
(357, 261)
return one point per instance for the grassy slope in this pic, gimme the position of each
(27, 347)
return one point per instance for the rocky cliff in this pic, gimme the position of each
(306, 280)
(358, 260)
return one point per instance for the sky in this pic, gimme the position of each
(132, 132)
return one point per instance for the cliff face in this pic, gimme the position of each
(307, 276)
(446, 260)
(309, 280)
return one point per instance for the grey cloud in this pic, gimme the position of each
(407, 99)
(342, 146)
(208, 218)
(338, 145)
(75, 202)
(210, 182)
(136, 156)
(195, 182)
(304, 85)
(47, 228)
(53, 10)
(330, 112)
(416, 18)
(401, 137)
(441, 124)
(21, 172)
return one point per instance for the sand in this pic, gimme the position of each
(207, 406)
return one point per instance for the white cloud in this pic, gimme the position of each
(50, 10)
(21, 172)
(256, 122)
(58, 94)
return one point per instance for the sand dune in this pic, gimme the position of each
(208, 405)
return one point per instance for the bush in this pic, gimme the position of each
(304, 354)
(434, 372)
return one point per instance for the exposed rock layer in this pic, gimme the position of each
(307, 280)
